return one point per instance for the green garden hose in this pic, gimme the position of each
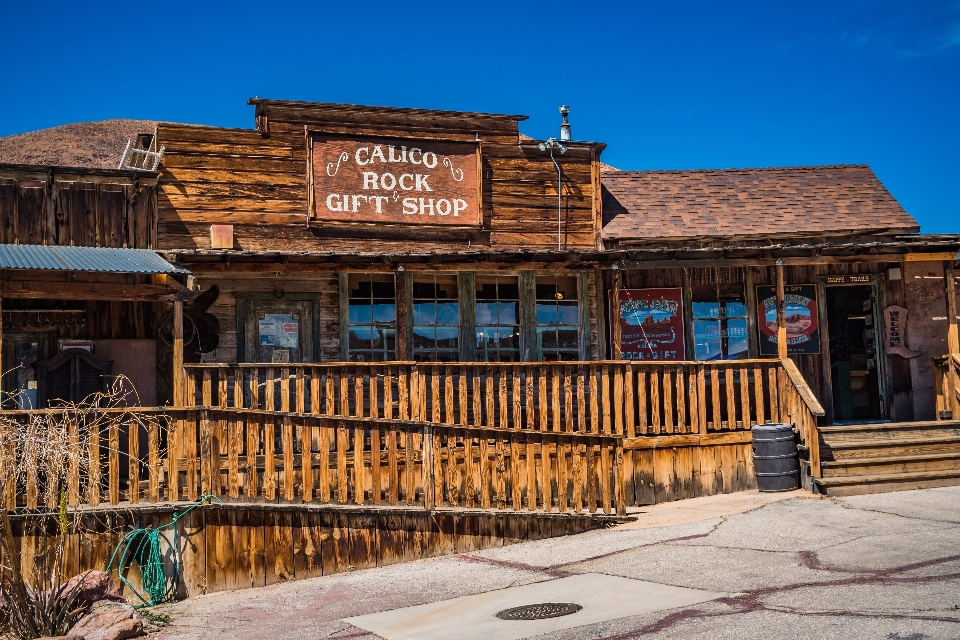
(144, 547)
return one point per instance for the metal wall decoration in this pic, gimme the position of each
(409, 182)
(651, 324)
(802, 317)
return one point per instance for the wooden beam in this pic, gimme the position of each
(615, 314)
(781, 314)
(953, 338)
(178, 372)
(52, 290)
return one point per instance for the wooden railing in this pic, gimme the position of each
(947, 384)
(602, 397)
(284, 457)
(800, 407)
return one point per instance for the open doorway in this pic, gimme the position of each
(854, 368)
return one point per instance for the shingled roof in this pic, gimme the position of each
(726, 203)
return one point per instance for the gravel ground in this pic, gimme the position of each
(884, 566)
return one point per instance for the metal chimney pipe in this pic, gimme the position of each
(565, 125)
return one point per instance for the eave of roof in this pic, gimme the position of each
(90, 259)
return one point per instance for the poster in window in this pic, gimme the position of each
(802, 315)
(279, 337)
(651, 324)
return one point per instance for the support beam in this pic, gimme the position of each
(616, 347)
(53, 290)
(953, 337)
(781, 314)
(178, 377)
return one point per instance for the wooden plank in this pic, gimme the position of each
(758, 404)
(326, 435)
(715, 398)
(667, 391)
(133, 493)
(253, 448)
(269, 457)
(594, 401)
(306, 460)
(744, 386)
(359, 475)
(643, 426)
(113, 462)
(375, 463)
(730, 384)
(655, 400)
(287, 442)
(605, 398)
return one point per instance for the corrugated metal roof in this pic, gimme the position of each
(107, 260)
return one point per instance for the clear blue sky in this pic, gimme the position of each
(665, 84)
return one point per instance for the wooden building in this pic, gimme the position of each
(401, 311)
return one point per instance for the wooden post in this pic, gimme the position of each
(403, 320)
(429, 486)
(615, 314)
(953, 338)
(178, 377)
(781, 314)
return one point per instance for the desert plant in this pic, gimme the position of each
(51, 452)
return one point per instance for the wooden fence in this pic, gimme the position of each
(256, 455)
(947, 384)
(601, 397)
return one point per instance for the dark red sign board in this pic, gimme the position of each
(651, 324)
(382, 180)
(802, 316)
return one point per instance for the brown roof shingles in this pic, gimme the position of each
(793, 201)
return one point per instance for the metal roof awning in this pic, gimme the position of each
(92, 259)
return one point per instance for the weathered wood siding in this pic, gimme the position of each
(242, 546)
(66, 207)
(258, 182)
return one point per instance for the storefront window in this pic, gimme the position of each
(719, 322)
(558, 318)
(372, 321)
(498, 318)
(436, 319)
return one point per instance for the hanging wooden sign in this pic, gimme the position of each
(393, 181)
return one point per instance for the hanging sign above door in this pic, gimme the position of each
(393, 181)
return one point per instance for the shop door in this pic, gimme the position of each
(20, 351)
(854, 366)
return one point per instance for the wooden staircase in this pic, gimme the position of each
(879, 457)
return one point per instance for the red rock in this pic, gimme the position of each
(95, 586)
(109, 621)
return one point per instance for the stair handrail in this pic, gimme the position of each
(802, 388)
(804, 409)
(946, 371)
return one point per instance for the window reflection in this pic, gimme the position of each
(719, 321)
(558, 318)
(372, 317)
(498, 312)
(436, 318)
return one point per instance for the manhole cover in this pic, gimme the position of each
(539, 611)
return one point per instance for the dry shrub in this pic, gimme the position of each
(42, 451)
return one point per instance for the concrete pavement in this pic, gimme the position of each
(791, 566)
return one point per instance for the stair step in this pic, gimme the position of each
(870, 448)
(890, 431)
(880, 483)
(892, 465)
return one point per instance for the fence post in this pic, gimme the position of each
(429, 488)
(619, 478)
(178, 372)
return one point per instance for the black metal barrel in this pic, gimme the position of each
(775, 457)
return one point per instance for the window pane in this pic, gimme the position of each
(568, 337)
(486, 313)
(359, 338)
(546, 313)
(424, 313)
(706, 334)
(569, 312)
(384, 311)
(735, 309)
(736, 334)
(547, 337)
(447, 337)
(508, 312)
(448, 313)
(360, 312)
(424, 337)
(706, 310)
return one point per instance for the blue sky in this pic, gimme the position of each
(666, 85)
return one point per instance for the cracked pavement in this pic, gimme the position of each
(877, 566)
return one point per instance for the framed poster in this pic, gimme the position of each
(651, 324)
(802, 316)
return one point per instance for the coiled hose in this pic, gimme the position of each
(144, 546)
